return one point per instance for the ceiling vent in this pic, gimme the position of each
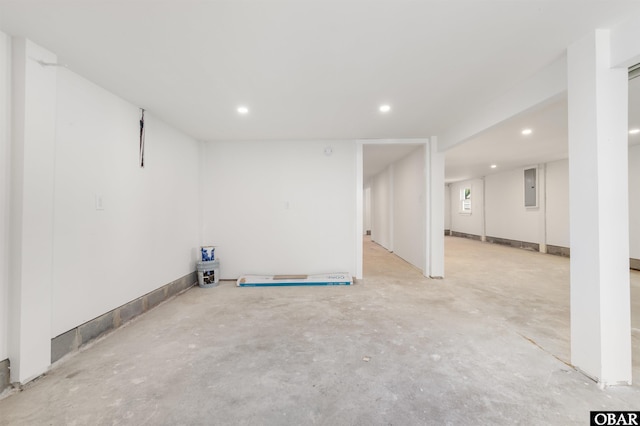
(634, 71)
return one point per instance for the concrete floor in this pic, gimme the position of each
(486, 345)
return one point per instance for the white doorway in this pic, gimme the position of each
(396, 179)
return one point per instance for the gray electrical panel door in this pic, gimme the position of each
(530, 196)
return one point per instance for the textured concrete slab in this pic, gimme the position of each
(96, 327)
(64, 343)
(131, 310)
(558, 250)
(486, 345)
(154, 298)
(181, 284)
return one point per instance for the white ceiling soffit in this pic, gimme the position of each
(505, 146)
(308, 69)
(377, 157)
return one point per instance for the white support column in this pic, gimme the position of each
(483, 211)
(391, 209)
(598, 178)
(359, 209)
(31, 240)
(542, 207)
(5, 189)
(434, 247)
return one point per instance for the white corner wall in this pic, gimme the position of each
(506, 215)
(447, 206)
(634, 202)
(409, 207)
(507, 218)
(398, 206)
(366, 210)
(146, 235)
(280, 207)
(557, 190)
(381, 211)
(464, 222)
(5, 154)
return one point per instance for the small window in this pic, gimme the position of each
(465, 200)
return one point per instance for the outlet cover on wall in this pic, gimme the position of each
(99, 202)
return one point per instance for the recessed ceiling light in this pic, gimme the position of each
(243, 110)
(385, 108)
(493, 166)
(634, 131)
(527, 131)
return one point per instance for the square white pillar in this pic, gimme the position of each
(359, 209)
(434, 250)
(31, 216)
(599, 212)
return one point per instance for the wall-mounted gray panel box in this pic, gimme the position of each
(530, 188)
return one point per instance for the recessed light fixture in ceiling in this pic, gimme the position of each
(493, 166)
(634, 131)
(243, 110)
(527, 131)
(385, 108)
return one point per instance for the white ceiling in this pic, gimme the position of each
(313, 69)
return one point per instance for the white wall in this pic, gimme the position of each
(5, 134)
(463, 222)
(148, 231)
(506, 216)
(634, 202)
(280, 207)
(557, 190)
(381, 211)
(409, 207)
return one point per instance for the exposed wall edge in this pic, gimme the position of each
(463, 235)
(513, 243)
(559, 250)
(4, 375)
(75, 338)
